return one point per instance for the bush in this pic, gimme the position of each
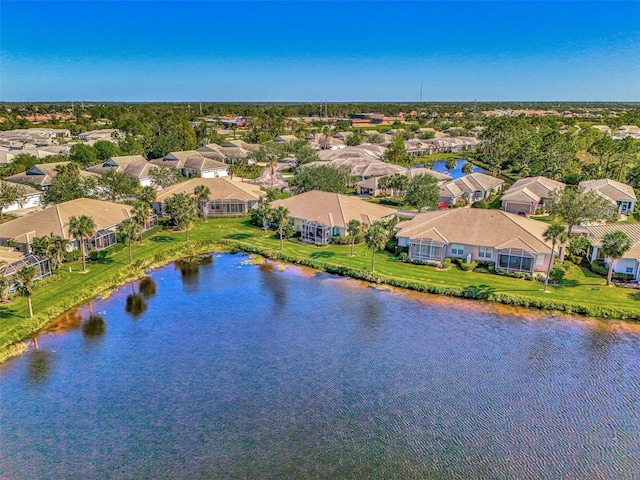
(72, 256)
(599, 267)
(480, 204)
(556, 274)
(403, 257)
(390, 246)
(446, 263)
(467, 267)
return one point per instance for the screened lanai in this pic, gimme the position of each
(227, 206)
(515, 260)
(102, 239)
(316, 232)
(40, 263)
(426, 250)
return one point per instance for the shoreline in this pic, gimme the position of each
(107, 282)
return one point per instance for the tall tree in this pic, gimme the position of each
(398, 183)
(83, 154)
(397, 151)
(141, 213)
(106, 149)
(9, 194)
(128, 230)
(555, 233)
(67, 185)
(25, 284)
(115, 185)
(202, 194)
(162, 177)
(451, 164)
(82, 228)
(269, 153)
(148, 194)
(281, 217)
(376, 237)
(354, 227)
(181, 209)
(467, 168)
(264, 215)
(423, 193)
(327, 178)
(614, 245)
(574, 206)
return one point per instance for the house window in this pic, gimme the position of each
(457, 249)
(485, 252)
(629, 269)
(515, 262)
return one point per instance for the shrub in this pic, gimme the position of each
(446, 263)
(467, 267)
(403, 257)
(556, 274)
(390, 246)
(480, 204)
(72, 256)
(599, 267)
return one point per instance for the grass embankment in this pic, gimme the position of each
(581, 291)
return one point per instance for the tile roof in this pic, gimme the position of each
(475, 226)
(221, 188)
(55, 219)
(616, 191)
(333, 209)
(595, 234)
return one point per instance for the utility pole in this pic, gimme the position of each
(200, 108)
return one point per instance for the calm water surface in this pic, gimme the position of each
(229, 370)
(439, 166)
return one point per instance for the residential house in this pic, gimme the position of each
(92, 136)
(630, 263)
(509, 241)
(228, 152)
(621, 195)
(42, 175)
(135, 166)
(54, 220)
(285, 138)
(193, 163)
(317, 215)
(472, 187)
(30, 198)
(227, 196)
(371, 187)
(528, 194)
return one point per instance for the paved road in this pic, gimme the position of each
(276, 180)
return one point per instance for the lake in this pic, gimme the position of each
(439, 166)
(235, 370)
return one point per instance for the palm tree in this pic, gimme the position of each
(614, 246)
(280, 216)
(128, 230)
(450, 164)
(265, 212)
(181, 208)
(554, 233)
(354, 227)
(141, 213)
(375, 239)
(467, 168)
(25, 284)
(81, 228)
(202, 193)
(148, 194)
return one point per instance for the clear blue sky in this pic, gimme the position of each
(316, 51)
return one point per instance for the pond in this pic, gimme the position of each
(439, 166)
(235, 370)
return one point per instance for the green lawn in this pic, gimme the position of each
(72, 288)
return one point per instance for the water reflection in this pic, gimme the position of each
(39, 366)
(190, 271)
(274, 283)
(94, 326)
(147, 287)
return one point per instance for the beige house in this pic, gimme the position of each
(230, 152)
(371, 185)
(54, 220)
(472, 187)
(528, 194)
(227, 196)
(630, 263)
(511, 242)
(12, 260)
(319, 215)
(135, 167)
(30, 198)
(42, 175)
(621, 195)
(193, 163)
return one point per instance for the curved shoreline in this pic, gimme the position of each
(126, 273)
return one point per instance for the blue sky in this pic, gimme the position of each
(316, 51)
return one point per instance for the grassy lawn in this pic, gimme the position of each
(71, 288)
